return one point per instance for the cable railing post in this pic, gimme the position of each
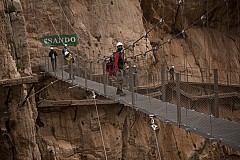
(216, 107)
(48, 65)
(85, 73)
(71, 66)
(45, 59)
(178, 78)
(55, 66)
(163, 83)
(104, 76)
(62, 68)
(91, 70)
(132, 84)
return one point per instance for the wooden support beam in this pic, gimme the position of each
(67, 103)
(17, 81)
(155, 94)
(208, 96)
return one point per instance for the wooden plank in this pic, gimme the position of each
(220, 95)
(155, 94)
(17, 81)
(65, 103)
(209, 96)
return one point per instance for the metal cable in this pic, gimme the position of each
(69, 21)
(52, 22)
(51, 83)
(158, 149)
(184, 30)
(100, 127)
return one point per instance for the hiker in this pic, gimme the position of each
(53, 56)
(134, 71)
(65, 51)
(70, 60)
(171, 72)
(118, 59)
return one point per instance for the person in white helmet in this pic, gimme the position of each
(53, 56)
(65, 51)
(118, 67)
(171, 72)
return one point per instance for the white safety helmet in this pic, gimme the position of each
(172, 66)
(66, 53)
(119, 44)
(51, 48)
(65, 45)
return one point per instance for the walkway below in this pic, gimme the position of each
(216, 129)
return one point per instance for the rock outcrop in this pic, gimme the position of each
(20, 133)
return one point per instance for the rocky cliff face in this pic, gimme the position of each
(100, 24)
(20, 135)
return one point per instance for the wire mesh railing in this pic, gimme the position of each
(199, 90)
(198, 104)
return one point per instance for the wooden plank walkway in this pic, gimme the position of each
(221, 130)
(17, 81)
(66, 103)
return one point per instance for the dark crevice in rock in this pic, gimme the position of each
(178, 150)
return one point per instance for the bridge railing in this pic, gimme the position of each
(200, 90)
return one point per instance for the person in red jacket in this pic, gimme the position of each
(118, 67)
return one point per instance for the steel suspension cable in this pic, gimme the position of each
(69, 22)
(59, 34)
(52, 22)
(100, 127)
(161, 21)
(158, 148)
(51, 83)
(183, 31)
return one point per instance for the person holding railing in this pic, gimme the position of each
(70, 60)
(53, 56)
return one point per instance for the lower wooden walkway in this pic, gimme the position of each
(224, 131)
(20, 80)
(72, 103)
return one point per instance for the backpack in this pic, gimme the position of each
(110, 65)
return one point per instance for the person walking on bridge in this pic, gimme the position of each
(70, 60)
(171, 72)
(53, 56)
(118, 57)
(65, 52)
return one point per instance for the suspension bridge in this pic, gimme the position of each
(216, 129)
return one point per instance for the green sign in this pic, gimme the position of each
(70, 40)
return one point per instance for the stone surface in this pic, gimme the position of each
(19, 137)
